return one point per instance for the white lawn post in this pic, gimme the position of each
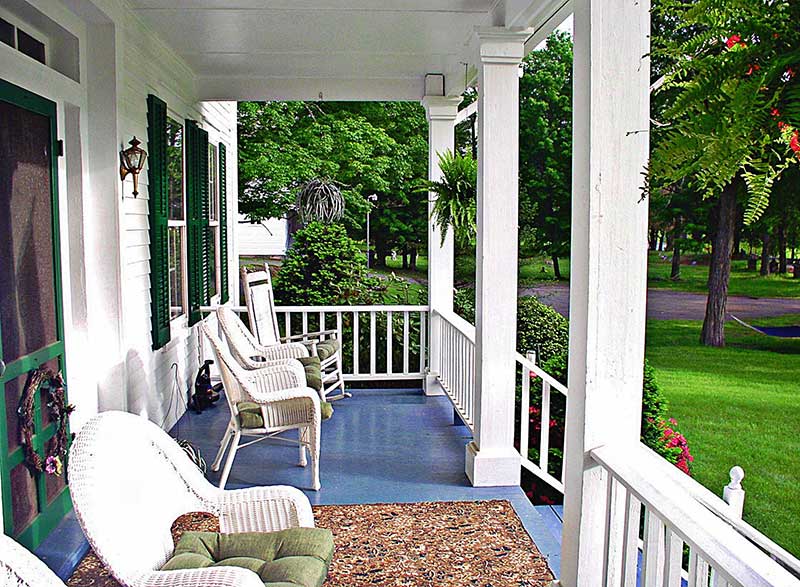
(608, 270)
(441, 113)
(491, 458)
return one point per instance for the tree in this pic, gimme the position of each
(545, 154)
(365, 147)
(732, 109)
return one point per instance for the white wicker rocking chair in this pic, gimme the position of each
(129, 482)
(260, 300)
(20, 568)
(265, 403)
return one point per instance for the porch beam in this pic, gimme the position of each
(491, 459)
(441, 112)
(608, 266)
(226, 88)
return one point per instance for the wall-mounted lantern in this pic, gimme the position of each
(131, 160)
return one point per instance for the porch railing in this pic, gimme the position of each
(550, 385)
(456, 369)
(649, 509)
(378, 342)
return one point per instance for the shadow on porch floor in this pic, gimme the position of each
(381, 446)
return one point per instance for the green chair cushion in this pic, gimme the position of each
(250, 415)
(298, 557)
(327, 348)
(313, 372)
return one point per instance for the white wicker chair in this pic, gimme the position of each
(20, 568)
(285, 403)
(129, 481)
(260, 300)
(249, 353)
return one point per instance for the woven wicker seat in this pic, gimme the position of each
(129, 481)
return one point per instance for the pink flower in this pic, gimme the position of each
(775, 112)
(533, 376)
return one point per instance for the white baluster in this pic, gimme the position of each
(372, 339)
(673, 560)
(423, 341)
(405, 343)
(356, 328)
(389, 333)
(653, 555)
(525, 412)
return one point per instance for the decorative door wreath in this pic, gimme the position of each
(59, 409)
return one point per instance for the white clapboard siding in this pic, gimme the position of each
(267, 238)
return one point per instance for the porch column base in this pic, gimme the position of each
(432, 386)
(496, 468)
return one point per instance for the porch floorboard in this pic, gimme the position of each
(381, 446)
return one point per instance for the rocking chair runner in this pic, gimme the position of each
(265, 403)
(325, 344)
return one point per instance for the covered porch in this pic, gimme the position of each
(629, 516)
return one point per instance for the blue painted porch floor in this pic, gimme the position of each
(381, 446)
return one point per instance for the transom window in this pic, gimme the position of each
(176, 198)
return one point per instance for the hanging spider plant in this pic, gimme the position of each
(320, 200)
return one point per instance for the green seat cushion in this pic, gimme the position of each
(250, 415)
(327, 348)
(298, 557)
(313, 372)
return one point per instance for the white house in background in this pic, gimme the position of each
(262, 239)
(108, 285)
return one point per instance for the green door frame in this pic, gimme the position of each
(49, 514)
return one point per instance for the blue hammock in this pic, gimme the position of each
(778, 331)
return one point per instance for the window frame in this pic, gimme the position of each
(178, 320)
(214, 217)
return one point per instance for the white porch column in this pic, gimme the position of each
(441, 112)
(491, 457)
(608, 270)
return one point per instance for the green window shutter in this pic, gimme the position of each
(159, 238)
(223, 225)
(197, 218)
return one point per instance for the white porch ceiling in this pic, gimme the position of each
(344, 49)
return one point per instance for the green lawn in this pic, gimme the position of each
(537, 270)
(738, 406)
(743, 282)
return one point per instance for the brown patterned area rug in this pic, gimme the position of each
(447, 544)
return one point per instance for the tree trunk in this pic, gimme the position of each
(556, 267)
(765, 241)
(413, 262)
(381, 252)
(719, 272)
(782, 248)
(675, 274)
(652, 240)
(405, 257)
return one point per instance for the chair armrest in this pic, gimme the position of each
(276, 383)
(207, 577)
(264, 509)
(289, 350)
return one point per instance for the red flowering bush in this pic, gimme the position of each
(658, 432)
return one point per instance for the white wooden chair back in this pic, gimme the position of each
(260, 301)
